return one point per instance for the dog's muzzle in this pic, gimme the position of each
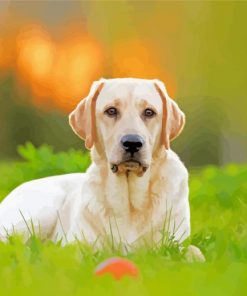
(131, 145)
(129, 166)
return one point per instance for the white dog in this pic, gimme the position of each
(136, 186)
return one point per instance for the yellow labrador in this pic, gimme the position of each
(136, 186)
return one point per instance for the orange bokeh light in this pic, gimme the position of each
(79, 62)
(1, 51)
(59, 73)
(35, 54)
(134, 58)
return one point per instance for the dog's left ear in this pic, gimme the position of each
(82, 119)
(173, 118)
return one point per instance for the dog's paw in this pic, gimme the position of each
(194, 254)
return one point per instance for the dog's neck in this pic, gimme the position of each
(125, 193)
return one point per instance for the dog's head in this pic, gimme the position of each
(129, 119)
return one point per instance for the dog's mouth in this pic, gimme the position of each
(130, 165)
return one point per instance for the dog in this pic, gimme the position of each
(136, 187)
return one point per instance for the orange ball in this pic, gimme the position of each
(117, 267)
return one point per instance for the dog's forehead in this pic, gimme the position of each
(129, 91)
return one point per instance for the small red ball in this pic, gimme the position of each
(117, 267)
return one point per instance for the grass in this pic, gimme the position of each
(218, 198)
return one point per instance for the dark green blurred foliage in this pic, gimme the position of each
(21, 121)
(202, 141)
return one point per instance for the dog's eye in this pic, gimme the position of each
(112, 112)
(149, 113)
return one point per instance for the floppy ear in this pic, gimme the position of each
(82, 119)
(173, 118)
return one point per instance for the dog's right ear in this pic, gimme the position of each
(82, 119)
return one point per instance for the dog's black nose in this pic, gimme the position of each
(132, 143)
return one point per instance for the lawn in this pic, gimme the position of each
(218, 198)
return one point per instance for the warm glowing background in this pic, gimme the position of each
(50, 52)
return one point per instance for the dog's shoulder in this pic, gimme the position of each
(48, 186)
(65, 180)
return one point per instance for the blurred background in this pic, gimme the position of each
(51, 51)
